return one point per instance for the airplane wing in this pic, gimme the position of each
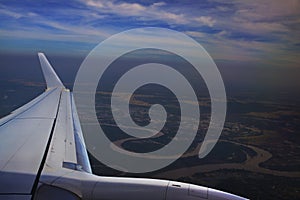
(48, 122)
(43, 156)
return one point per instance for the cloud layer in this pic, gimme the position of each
(237, 30)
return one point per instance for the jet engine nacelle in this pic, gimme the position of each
(92, 187)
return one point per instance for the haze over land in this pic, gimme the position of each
(255, 44)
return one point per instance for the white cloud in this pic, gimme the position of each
(196, 34)
(10, 13)
(145, 13)
(158, 4)
(122, 8)
(97, 4)
(206, 20)
(13, 13)
(62, 31)
(151, 12)
(173, 18)
(267, 9)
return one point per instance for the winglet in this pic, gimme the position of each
(51, 77)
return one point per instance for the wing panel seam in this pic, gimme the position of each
(34, 187)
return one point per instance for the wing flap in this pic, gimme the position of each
(81, 152)
(67, 146)
(63, 145)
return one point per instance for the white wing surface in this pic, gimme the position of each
(27, 135)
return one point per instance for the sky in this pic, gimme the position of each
(256, 31)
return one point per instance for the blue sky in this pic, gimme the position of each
(261, 32)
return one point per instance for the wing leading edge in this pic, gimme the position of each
(43, 156)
